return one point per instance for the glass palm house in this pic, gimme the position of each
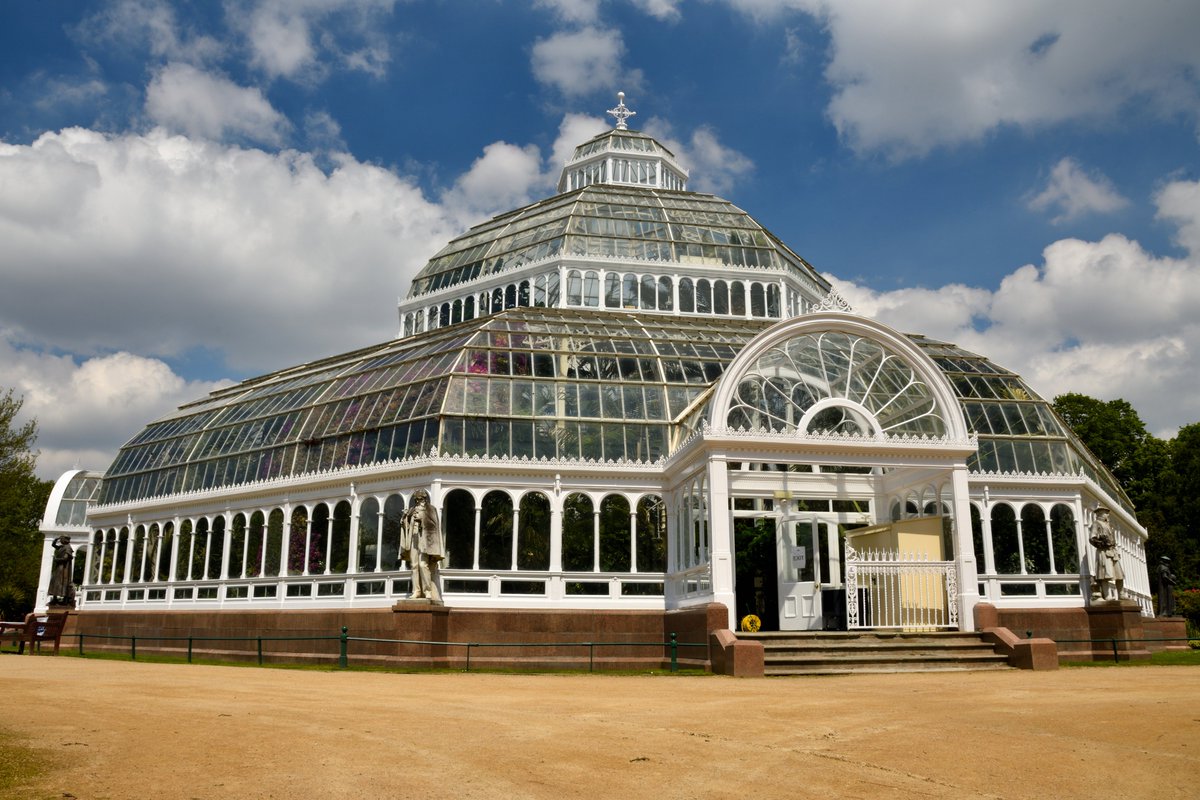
(627, 395)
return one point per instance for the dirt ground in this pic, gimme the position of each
(136, 730)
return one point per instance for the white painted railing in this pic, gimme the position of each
(905, 591)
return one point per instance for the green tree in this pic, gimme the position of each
(1161, 477)
(22, 502)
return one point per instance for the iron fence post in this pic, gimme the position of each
(81, 644)
(1115, 658)
(133, 648)
(342, 655)
(260, 651)
(674, 653)
(189, 649)
(591, 656)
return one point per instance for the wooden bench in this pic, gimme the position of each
(36, 628)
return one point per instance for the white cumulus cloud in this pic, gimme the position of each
(188, 100)
(1106, 318)
(1074, 192)
(581, 61)
(912, 75)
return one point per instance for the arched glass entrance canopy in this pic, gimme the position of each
(834, 382)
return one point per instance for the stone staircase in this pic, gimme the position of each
(841, 653)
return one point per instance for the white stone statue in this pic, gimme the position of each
(1108, 576)
(421, 539)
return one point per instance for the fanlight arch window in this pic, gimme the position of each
(834, 382)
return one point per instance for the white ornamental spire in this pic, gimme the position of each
(621, 112)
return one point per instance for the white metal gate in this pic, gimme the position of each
(890, 589)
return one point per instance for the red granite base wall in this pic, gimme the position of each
(417, 636)
(1101, 622)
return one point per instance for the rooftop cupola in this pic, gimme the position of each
(623, 157)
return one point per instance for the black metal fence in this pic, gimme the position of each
(344, 639)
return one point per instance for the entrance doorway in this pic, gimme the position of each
(789, 566)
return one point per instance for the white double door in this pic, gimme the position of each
(807, 559)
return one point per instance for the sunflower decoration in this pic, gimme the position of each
(750, 623)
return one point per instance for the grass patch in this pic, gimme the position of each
(20, 768)
(1168, 658)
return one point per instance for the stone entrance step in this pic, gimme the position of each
(840, 653)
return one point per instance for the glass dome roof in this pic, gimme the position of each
(608, 221)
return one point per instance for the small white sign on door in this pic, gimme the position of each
(799, 557)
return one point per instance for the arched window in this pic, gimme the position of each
(458, 519)
(591, 289)
(276, 525)
(629, 292)
(533, 532)
(497, 299)
(315, 556)
(1062, 533)
(216, 548)
(666, 301)
(578, 543)
(495, 531)
(539, 291)
(256, 553)
(523, 294)
(737, 299)
(1005, 547)
(469, 307)
(164, 552)
(298, 540)
(773, 301)
(703, 297)
(574, 288)
(393, 513)
(153, 554)
(758, 300)
(1035, 539)
(456, 312)
(237, 546)
(720, 297)
(139, 549)
(552, 290)
(817, 371)
(649, 293)
(368, 535)
(80, 564)
(339, 544)
(614, 534)
(183, 559)
(510, 296)
(687, 296)
(612, 290)
(444, 315)
(651, 534)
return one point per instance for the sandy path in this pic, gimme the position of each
(134, 730)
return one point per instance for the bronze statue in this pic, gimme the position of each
(1166, 588)
(421, 539)
(61, 591)
(1109, 576)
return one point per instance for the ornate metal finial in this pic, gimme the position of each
(621, 112)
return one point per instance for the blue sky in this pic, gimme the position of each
(192, 193)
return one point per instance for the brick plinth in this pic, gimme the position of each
(1068, 627)
(417, 635)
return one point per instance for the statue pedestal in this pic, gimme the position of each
(1120, 620)
(421, 625)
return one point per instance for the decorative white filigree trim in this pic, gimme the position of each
(832, 302)
(889, 440)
